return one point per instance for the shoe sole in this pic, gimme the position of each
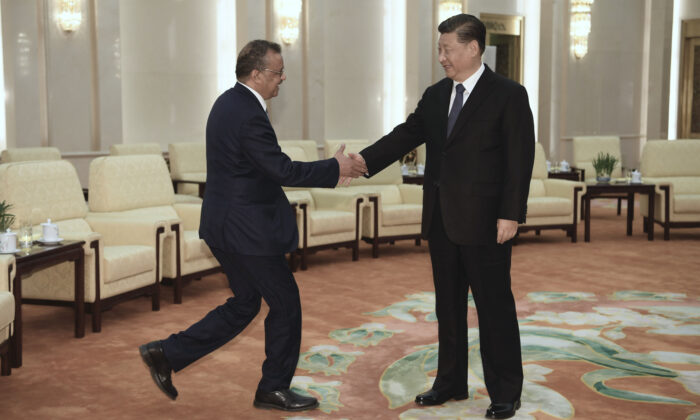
(277, 407)
(146, 357)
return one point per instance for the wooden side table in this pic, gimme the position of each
(594, 190)
(413, 179)
(35, 258)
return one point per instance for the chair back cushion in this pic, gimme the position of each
(586, 148)
(391, 175)
(187, 157)
(135, 149)
(39, 190)
(119, 183)
(295, 153)
(678, 158)
(23, 154)
(351, 145)
(539, 168)
(309, 146)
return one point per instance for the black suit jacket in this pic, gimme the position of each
(482, 171)
(245, 210)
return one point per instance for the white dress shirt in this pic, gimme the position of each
(260, 98)
(468, 86)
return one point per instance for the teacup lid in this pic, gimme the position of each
(47, 222)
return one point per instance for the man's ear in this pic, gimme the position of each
(474, 48)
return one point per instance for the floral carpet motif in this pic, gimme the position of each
(550, 338)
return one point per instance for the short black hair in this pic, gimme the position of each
(252, 57)
(468, 28)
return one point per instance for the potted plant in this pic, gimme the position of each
(604, 164)
(6, 219)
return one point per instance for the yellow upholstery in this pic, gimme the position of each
(351, 145)
(586, 148)
(7, 300)
(51, 189)
(24, 154)
(135, 149)
(550, 202)
(139, 188)
(674, 164)
(309, 147)
(188, 162)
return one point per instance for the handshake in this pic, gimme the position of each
(351, 166)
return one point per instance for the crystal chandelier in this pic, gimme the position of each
(288, 12)
(580, 26)
(448, 8)
(69, 15)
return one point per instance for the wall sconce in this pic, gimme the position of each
(580, 26)
(69, 15)
(288, 12)
(448, 8)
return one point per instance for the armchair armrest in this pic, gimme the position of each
(190, 214)
(338, 200)
(411, 193)
(7, 268)
(127, 231)
(563, 188)
(298, 197)
(89, 238)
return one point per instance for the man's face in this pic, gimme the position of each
(458, 59)
(272, 76)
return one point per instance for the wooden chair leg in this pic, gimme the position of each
(5, 370)
(155, 297)
(356, 251)
(96, 316)
(537, 232)
(375, 248)
(177, 285)
(418, 242)
(619, 206)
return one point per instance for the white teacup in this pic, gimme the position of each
(8, 241)
(636, 177)
(49, 231)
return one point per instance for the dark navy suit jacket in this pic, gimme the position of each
(245, 210)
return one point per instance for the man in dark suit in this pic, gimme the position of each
(249, 226)
(479, 136)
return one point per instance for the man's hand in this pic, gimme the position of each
(349, 167)
(506, 230)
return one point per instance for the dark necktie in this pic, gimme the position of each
(456, 107)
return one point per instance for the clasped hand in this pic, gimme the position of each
(351, 166)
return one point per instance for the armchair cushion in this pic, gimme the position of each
(687, 203)
(24, 154)
(187, 158)
(135, 149)
(325, 222)
(127, 261)
(586, 148)
(7, 310)
(309, 147)
(195, 247)
(549, 206)
(117, 183)
(401, 214)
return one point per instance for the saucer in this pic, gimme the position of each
(11, 252)
(45, 242)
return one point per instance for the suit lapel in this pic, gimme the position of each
(443, 99)
(476, 97)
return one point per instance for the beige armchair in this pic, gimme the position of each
(135, 149)
(188, 167)
(673, 167)
(23, 154)
(394, 211)
(137, 188)
(149, 149)
(7, 311)
(586, 148)
(351, 145)
(121, 261)
(325, 218)
(552, 203)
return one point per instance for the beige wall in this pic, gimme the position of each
(141, 71)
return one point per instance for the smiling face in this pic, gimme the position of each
(268, 80)
(459, 60)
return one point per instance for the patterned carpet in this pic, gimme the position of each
(609, 330)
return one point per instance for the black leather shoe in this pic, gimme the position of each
(502, 410)
(285, 399)
(433, 397)
(153, 356)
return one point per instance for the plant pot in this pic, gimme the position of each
(602, 178)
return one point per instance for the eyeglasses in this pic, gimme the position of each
(280, 73)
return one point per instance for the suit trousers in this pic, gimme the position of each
(486, 270)
(250, 278)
